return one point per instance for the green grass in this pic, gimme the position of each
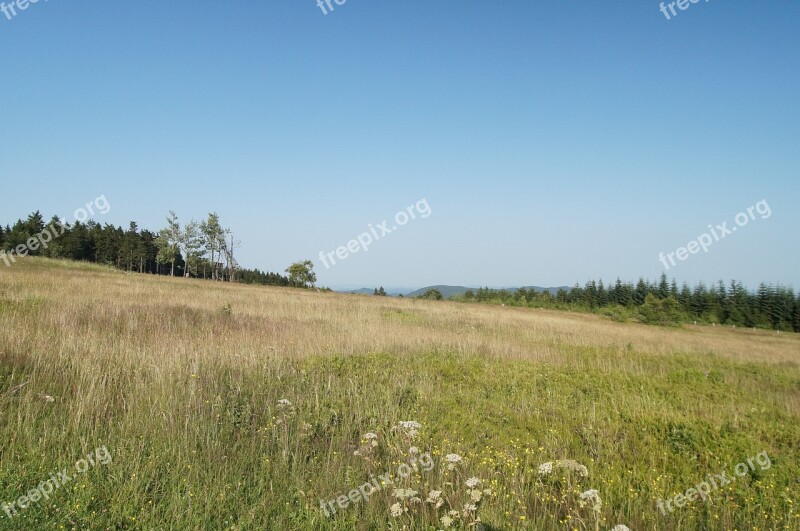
(199, 442)
(215, 458)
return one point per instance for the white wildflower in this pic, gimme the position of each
(591, 498)
(396, 509)
(472, 482)
(573, 465)
(620, 527)
(404, 493)
(446, 521)
(284, 403)
(434, 496)
(452, 460)
(545, 468)
(410, 428)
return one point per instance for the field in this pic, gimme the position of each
(181, 381)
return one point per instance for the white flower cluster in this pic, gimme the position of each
(448, 519)
(453, 460)
(406, 494)
(546, 469)
(409, 428)
(591, 498)
(370, 442)
(435, 498)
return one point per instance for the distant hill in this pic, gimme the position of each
(371, 291)
(447, 291)
(362, 291)
(452, 291)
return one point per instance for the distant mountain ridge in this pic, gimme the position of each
(449, 291)
(371, 291)
(452, 291)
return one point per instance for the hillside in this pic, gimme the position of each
(227, 406)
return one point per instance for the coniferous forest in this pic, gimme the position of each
(198, 249)
(663, 302)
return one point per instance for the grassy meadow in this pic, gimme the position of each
(182, 381)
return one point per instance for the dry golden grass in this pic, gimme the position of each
(268, 321)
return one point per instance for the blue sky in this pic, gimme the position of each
(555, 142)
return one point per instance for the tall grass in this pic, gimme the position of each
(181, 379)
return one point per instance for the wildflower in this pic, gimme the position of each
(435, 497)
(569, 464)
(284, 403)
(446, 521)
(591, 498)
(620, 527)
(404, 493)
(473, 482)
(370, 436)
(452, 460)
(396, 509)
(413, 450)
(545, 468)
(410, 428)
(469, 507)
(475, 495)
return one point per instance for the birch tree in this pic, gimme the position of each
(168, 242)
(214, 240)
(191, 242)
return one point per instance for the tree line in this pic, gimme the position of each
(205, 250)
(201, 249)
(663, 302)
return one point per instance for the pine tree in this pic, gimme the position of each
(663, 286)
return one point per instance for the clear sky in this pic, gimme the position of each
(555, 142)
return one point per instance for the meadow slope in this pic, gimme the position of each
(180, 380)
